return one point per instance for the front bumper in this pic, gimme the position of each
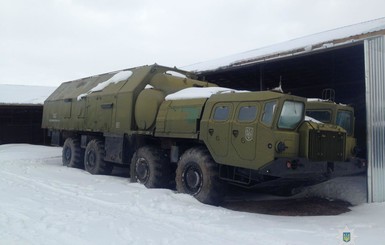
(301, 168)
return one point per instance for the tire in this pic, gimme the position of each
(94, 158)
(197, 175)
(150, 167)
(72, 154)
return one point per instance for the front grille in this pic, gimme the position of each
(326, 145)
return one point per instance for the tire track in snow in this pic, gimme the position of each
(145, 213)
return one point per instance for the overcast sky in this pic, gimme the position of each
(47, 42)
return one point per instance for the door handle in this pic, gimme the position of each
(235, 133)
(211, 131)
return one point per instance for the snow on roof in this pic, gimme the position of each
(197, 93)
(316, 100)
(322, 100)
(176, 74)
(118, 77)
(323, 40)
(310, 119)
(24, 94)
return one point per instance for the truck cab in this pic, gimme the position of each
(250, 129)
(327, 111)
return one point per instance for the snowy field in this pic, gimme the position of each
(43, 202)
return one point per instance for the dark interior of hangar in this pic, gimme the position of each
(22, 124)
(341, 69)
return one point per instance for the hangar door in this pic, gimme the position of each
(375, 109)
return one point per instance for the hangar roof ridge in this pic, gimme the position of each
(11, 94)
(323, 40)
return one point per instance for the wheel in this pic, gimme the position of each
(72, 155)
(197, 175)
(149, 166)
(94, 158)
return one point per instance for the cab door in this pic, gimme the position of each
(251, 134)
(218, 129)
(244, 130)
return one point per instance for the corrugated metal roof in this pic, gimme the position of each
(320, 41)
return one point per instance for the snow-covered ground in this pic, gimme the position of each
(43, 202)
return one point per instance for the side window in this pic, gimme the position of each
(247, 113)
(268, 112)
(221, 113)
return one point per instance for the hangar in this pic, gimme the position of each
(350, 60)
(21, 109)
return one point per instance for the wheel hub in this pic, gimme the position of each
(193, 179)
(91, 159)
(67, 153)
(142, 170)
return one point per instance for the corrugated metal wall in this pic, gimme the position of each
(375, 109)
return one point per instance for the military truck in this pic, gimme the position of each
(172, 129)
(327, 111)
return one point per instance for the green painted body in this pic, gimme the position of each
(120, 108)
(180, 118)
(337, 114)
(262, 132)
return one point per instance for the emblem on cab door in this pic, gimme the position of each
(249, 133)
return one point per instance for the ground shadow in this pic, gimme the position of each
(311, 206)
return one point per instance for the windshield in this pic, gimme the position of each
(323, 116)
(291, 115)
(344, 119)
